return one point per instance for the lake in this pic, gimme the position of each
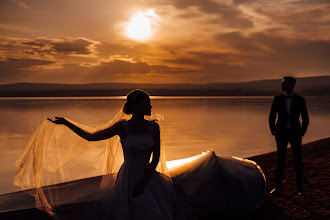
(229, 125)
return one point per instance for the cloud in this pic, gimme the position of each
(18, 68)
(227, 14)
(75, 46)
(22, 4)
(307, 19)
(253, 56)
(12, 29)
(201, 40)
(262, 54)
(51, 46)
(120, 67)
(111, 71)
(127, 71)
(51, 50)
(294, 55)
(36, 55)
(250, 45)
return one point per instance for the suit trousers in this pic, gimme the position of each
(282, 139)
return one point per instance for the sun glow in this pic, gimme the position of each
(139, 28)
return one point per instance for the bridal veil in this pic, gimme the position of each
(55, 155)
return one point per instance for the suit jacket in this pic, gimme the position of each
(298, 108)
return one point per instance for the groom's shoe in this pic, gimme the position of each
(276, 192)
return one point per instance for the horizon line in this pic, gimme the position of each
(88, 83)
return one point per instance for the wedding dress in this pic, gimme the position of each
(158, 199)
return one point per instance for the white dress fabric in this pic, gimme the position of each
(211, 185)
(158, 199)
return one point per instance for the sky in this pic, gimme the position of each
(162, 41)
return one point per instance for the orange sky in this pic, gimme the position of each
(194, 41)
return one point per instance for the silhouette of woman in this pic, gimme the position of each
(138, 191)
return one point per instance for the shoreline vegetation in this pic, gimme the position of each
(308, 86)
(314, 204)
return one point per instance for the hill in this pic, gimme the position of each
(305, 86)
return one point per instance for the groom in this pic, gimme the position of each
(287, 129)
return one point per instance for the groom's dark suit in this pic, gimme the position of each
(288, 129)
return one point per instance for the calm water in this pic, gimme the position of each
(228, 125)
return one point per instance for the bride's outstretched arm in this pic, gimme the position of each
(96, 136)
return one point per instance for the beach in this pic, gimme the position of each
(314, 204)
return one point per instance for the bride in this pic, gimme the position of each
(136, 191)
(125, 159)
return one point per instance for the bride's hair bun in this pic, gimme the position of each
(133, 97)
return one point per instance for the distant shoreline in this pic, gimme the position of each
(157, 92)
(124, 97)
(308, 86)
(152, 92)
(176, 95)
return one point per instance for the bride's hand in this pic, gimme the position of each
(139, 188)
(57, 120)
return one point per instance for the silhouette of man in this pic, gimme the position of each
(287, 129)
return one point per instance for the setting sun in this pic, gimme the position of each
(139, 28)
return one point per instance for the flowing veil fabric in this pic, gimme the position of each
(55, 155)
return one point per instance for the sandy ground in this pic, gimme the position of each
(315, 203)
